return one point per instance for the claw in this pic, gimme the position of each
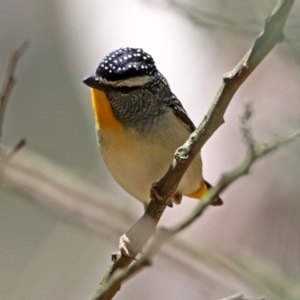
(154, 193)
(124, 246)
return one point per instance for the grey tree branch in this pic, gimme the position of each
(144, 228)
(162, 235)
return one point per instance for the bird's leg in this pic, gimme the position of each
(154, 194)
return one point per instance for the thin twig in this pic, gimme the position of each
(10, 81)
(16, 149)
(4, 97)
(140, 233)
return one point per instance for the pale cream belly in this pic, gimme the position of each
(137, 163)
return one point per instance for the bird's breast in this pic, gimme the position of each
(136, 161)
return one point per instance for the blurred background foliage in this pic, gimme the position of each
(251, 244)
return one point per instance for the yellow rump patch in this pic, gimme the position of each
(200, 192)
(104, 116)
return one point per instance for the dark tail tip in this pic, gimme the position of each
(217, 201)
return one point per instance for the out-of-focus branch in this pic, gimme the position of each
(49, 184)
(242, 297)
(215, 18)
(196, 14)
(8, 85)
(65, 192)
(162, 235)
(10, 81)
(142, 230)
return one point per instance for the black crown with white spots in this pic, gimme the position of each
(125, 63)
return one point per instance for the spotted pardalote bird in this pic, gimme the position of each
(140, 123)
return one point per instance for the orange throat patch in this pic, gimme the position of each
(104, 116)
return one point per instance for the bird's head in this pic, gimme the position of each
(131, 83)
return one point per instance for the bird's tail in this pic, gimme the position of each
(217, 201)
(204, 186)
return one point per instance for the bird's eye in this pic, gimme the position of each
(125, 89)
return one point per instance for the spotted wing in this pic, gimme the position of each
(181, 114)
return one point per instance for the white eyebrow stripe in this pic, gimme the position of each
(134, 81)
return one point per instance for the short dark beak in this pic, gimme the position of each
(92, 81)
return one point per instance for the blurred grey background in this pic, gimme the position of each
(255, 236)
